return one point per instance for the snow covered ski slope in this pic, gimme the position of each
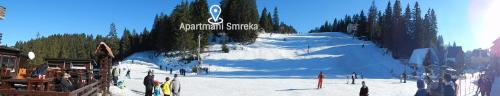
(279, 65)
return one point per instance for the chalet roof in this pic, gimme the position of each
(106, 47)
(418, 56)
(10, 51)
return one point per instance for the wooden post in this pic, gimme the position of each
(105, 57)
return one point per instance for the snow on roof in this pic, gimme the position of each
(104, 45)
(418, 56)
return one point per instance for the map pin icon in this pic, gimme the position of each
(215, 11)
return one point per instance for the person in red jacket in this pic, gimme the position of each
(320, 79)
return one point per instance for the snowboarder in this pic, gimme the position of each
(175, 86)
(364, 89)
(421, 89)
(128, 74)
(148, 83)
(353, 77)
(320, 80)
(166, 87)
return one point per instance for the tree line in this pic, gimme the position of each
(400, 31)
(165, 37)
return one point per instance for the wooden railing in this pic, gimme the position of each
(88, 90)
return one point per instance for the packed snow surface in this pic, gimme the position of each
(278, 65)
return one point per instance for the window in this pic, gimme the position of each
(8, 61)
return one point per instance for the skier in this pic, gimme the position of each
(175, 86)
(364, 89)
(170, 70)
(148, 83)
(353, 77)
(404, 77)
(320, 80)
(401, 78)
(421, 89)
(128, 74)
(308, 47)
(166, 87)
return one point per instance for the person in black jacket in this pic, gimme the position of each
(65, 84)
(364, 89)
(149, 83)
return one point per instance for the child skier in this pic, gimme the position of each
(157, 88)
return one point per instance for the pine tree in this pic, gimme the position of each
(362, 25)
(125, 46)
(386, 27)
(276, 20)
(409, 22)
(112, 39)
(419, 27)
(241, 11)
(397, 28)
(199, 15)
(269, 22)
(432, 28)
(372, 17)
(184, 40)
(265, 21)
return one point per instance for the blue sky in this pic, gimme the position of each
(25, 18)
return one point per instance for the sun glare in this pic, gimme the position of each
(485, 26)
